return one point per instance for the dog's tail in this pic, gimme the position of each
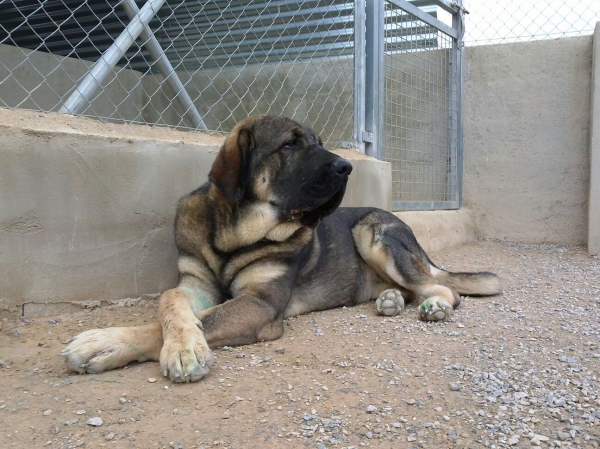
(483, 283)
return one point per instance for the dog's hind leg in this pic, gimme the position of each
(390, 249)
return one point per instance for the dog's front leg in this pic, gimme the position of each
(185, 355)
(256, 311)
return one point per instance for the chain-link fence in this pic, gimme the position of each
(504, 21)
(189, 64)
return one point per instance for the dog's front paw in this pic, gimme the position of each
(185, 355)
(435, 308)
(97, 350)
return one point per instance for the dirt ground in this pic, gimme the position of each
(517, 370)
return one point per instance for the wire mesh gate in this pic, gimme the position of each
(412, 101)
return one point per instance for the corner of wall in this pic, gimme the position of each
(593, 237)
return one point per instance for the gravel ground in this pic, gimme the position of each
(517, 370)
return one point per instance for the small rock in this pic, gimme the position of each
(564, 436)
(371, 409)
(455, 387)
(280, 350)
(47, 412)
(122, 400)
(226, 415)
(411, 401)
(70, 422)
(95, 421)
(151, 380)
(110, 436)
(537, 439)
(80, 412)
(513, 440)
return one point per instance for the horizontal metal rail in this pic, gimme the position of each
(424, 205)
(427, 18)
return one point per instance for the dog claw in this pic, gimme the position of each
(434, 309)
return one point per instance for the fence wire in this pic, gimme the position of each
(233, 58)
(505, 21)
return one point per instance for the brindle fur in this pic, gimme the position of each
(263, 240)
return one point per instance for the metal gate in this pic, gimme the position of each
(409, 99)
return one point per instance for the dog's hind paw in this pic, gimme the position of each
(390, 302)
(435, 308)
(186, 356)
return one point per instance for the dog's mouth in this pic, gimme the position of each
(312, 216)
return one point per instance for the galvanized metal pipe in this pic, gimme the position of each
(166, 69)
(109, 59)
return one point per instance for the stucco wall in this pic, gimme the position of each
(526, 137)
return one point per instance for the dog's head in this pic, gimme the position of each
(279, 161)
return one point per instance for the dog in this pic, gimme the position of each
(264, 240)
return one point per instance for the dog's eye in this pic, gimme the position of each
(289, 144)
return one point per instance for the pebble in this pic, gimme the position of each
(151, 380)
(95, 421)
(371, 409)
(47, 412)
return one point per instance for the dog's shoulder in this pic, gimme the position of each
(194, 222)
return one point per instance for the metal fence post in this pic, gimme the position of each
(359, 73)
(109, 59)
(374, 78)
(458, 23)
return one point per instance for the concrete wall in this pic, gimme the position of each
(526, 139)
(87, 208)
(593, 236)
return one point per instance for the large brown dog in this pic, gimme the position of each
(262, 241)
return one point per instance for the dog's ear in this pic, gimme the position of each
(229, 172)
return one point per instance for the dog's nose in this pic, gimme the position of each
(342, 166)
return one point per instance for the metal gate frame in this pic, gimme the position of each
(369, 97)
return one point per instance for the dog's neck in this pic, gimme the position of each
(249, 222)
